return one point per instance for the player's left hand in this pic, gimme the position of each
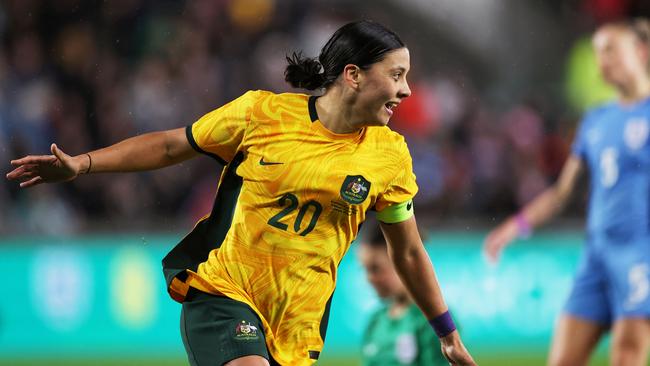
(36, 169)
(454, 350)
(499, 238)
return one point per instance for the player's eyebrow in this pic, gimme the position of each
(398, 68)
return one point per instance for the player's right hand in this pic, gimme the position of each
(36, 169)
(498, 238)
(454, 350)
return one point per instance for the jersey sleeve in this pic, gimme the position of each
(401, 189)
(220, 132)
(579, 146)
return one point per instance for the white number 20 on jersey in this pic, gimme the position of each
(609, 167)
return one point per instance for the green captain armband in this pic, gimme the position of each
(396, 213)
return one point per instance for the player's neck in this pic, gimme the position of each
(399, 305)
(637, 91)
(335, 113)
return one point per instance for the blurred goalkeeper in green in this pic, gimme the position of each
(397, 333)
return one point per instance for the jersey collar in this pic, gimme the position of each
(312, 108)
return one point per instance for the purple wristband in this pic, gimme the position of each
(443, 325)
(523, 226)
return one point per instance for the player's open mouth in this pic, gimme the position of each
(390, 106)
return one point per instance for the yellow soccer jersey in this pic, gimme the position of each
(290, 202)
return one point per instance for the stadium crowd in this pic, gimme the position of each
(87, 74)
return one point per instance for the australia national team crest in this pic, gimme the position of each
(636, 133)
(245, 331)
(355, 189)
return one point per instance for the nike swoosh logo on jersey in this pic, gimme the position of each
(262, 162)
(409, 206)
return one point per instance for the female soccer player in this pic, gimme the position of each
(256, 276)
(611, 288)
(397, 333)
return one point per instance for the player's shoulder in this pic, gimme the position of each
(270, 101)
(601, 110)
(387, 141)
(384, 132)
(255, 95)
(285, 98)
(376, 316)
(592, 116)
(291, 97)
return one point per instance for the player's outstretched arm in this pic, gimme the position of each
(145, 152)
(416, 271)
(537, 212)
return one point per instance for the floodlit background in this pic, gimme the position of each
(498, 90)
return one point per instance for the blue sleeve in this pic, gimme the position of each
(579, 147)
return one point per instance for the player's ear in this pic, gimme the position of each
(352, 75)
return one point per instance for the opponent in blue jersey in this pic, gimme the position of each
(612, 287)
